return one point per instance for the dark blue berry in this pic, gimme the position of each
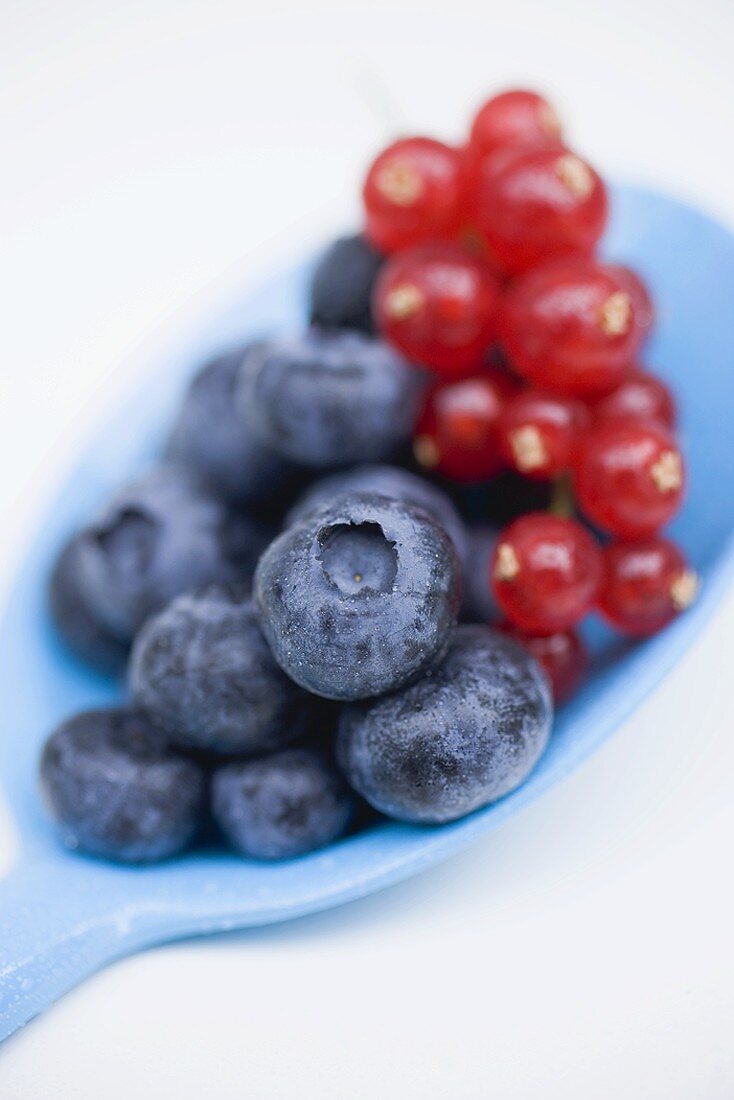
(329, 398)
(360, 597)
(115, 790)
(212, 437)
(158, 537)
(387, 481)
(462, 737)
(341, 285)
(74, 620)
(281, 806)
(203, 672)
(479, 604)
(502, 498)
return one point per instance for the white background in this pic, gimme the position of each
(584, 950)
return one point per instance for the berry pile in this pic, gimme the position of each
(302, 590)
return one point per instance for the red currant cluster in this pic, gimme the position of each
(492, 283)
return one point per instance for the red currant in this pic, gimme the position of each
(570, 327)
(517, 118)
(537, 433)
(641, 396)
(413, 191)
(458, 431)
(640, 295)
(629, 478)
(538, 205)
(437, 304)
(562, 655)
(646, 584)
(546, 572)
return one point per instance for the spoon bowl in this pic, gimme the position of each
(63, 915)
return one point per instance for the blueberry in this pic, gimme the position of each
(203, 672)
(462, 737)
(114, 789)
(74, 620)
(359, 598)
(501, 499)
(329, 398)
(341, 286)
(281, 806)
(213, 438)
(388, 481)
(479, 604)
(160, 536)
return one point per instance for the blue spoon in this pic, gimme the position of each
(63, 916)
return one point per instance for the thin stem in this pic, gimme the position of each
(562, 500)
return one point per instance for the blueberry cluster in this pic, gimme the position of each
(283, 593)
(462, 419)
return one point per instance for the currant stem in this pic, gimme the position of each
(562, 502)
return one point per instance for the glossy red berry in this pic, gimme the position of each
(629, 478)
(640, 295)
(538, 205)
(641, 396)
(646, 585)
(537, 432)
(570, 327)
(412, 192)
(562, 655)
(546, 572)
(458, 432)
(437, 304)
(514, 118)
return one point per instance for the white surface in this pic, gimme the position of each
(585, 949)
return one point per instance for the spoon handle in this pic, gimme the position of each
(52, 936)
